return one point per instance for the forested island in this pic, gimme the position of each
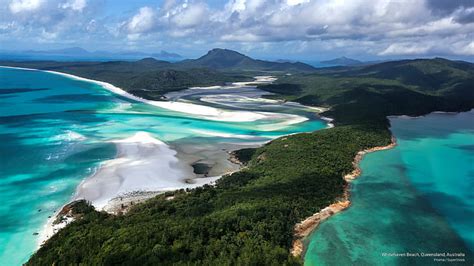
(248, 217)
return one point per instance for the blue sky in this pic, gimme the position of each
(287, 29)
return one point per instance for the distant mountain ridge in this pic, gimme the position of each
(71, 50)
(78, 52)
(215, 59)
(342, 61)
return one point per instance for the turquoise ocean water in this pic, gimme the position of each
(416, 198)
(54, 132)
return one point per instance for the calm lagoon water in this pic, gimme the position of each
(416, 198)
(55, 131)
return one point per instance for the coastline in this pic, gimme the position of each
(125, 199)
(139, 166)
(328, 120)
(304, 228)
(50, 228)
(200, 111)
(128, 179)
(434, 112)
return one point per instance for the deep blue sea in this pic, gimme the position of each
(55, 131)
(417, 198)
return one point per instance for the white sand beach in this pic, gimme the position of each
(143, 168)
(50, 228)
(225, 135)
(258, 80)
(229, 99)
(329, 120)
(143, 163)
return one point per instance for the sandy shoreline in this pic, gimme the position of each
(328, 120)
(304, 228)
(197, 110)
(144, 167)
(51, 228)
(201, 111)
(143, 163)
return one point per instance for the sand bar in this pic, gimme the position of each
(201, 111)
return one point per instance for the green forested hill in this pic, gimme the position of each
(428, 75)
(370, 93)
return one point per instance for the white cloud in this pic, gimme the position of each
(240, 37)
(189, 15)
(48, 36)
(377, 27)
(382, 27)
(142, 22)
(168, 4)
(7, 27)
(18, 6)
(467, 49)
(406, 49)
(296, 2)
(77, 5)
(46, 21)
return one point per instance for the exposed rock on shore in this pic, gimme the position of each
(305, 227)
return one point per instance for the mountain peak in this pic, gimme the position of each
(219, 58)
(222, 58)
(224, 52)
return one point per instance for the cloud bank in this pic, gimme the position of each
(372, 27)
